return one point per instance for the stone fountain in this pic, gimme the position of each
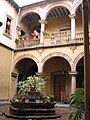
(33, 105)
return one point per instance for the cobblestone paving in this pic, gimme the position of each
(64, 112)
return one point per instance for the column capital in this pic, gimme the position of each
(72, 15)
(40, 74)
(14, 75)
(43, 21)
(73, 73)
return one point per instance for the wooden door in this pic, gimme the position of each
(59, 85)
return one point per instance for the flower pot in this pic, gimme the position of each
(32, 88)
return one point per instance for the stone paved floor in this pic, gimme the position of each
(64, 112)
(60, 109)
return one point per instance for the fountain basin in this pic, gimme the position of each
(32, 108)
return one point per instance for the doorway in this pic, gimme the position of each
(59, 83)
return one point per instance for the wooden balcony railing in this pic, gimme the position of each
(51, 40)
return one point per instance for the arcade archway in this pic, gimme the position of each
(26, 67)
(56, 68)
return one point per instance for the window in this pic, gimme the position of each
(8, 27)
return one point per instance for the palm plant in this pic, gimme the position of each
(77, 103)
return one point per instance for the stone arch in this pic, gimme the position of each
(26, 12)
(57, 4)
(25, 56)
(76, 60)
(57, 54)
(76, 6)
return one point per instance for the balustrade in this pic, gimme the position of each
(51, 39)
(79, 37)
(28, 43)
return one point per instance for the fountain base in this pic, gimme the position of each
(34, 117)
(31, 108)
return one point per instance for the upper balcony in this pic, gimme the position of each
(59, 22)
(50, 40)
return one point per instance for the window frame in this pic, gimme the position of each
(11, 26)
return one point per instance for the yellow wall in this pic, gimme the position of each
(52, 66)
(79, 23)
(47, 51)
(54, 24)
(5, 70)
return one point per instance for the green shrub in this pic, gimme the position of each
(77, 105)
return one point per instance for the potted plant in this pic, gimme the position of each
(51, 98)
(45, 33)
(16, 40)
(20, 38)
(25, 37)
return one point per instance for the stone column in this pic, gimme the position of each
(73, 32)
(42, 22)
(73, 27)
(73, 81)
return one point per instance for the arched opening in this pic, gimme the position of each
(80, 76)
(26, 67)
(58, 82)
(29, 23)
(57, 16)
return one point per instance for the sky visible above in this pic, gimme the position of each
(26, 2)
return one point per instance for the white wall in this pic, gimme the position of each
(7, 9)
